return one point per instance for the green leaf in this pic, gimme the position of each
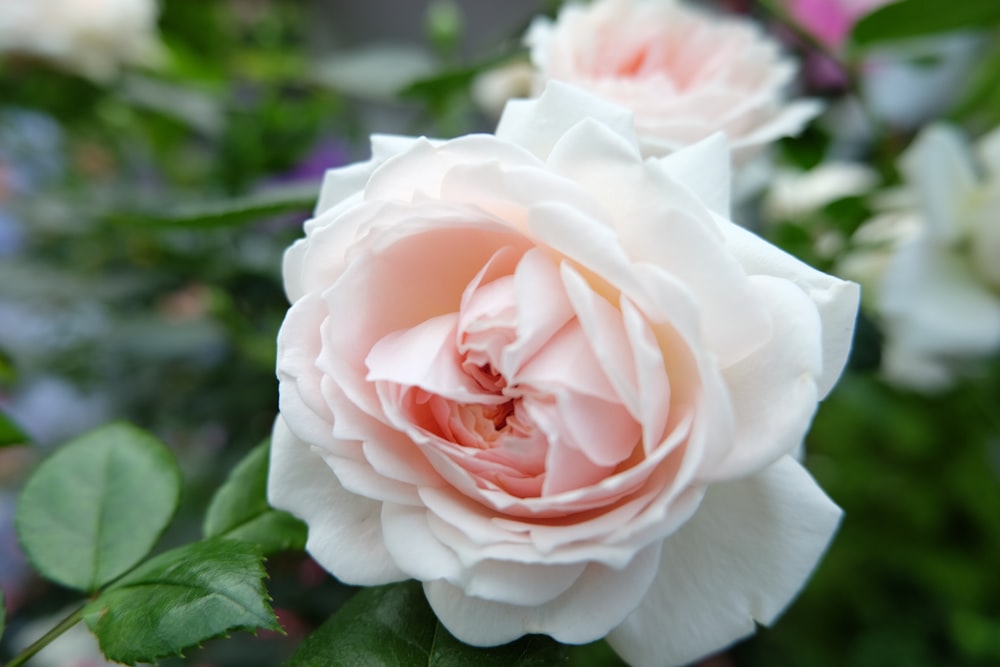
(10, 433)
(435, 89)
(239, 509)
(94, 508)
(393, 626)
(8, 373)
(980, 104)
(181, 598)
(3, 613)
(918, 18)
(227, 213)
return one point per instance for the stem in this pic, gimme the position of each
(849, 69)
(47, 638)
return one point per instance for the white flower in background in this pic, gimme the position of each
(932, 265)
(685, 73)
(553, 381)
(492, 88)
(92, 37)
(795, 194)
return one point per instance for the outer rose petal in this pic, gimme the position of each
(836, 300)
(746, 552)
(783, 373)
(564, 107)
(597, 602)
(300, 482)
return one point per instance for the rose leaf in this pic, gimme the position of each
(3, 613)
(394, 625)
(181, 598)
(10, 432)
(239, 509)
(267, 202)
(918, 18)
(93, 509)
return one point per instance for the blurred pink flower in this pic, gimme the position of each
(831, 21)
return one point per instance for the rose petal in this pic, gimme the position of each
(836, 300)
(346, 533)
(742, 557)
(599, 600)
(773, 391)
(561, 106)
(425, 356)
(703, 168)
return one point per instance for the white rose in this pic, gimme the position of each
(932, 262)
(552, 381)
(684, 73)
(93, 37)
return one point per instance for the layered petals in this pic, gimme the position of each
(685, 74)
(524, 368)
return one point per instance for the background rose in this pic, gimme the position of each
(91, 37)
(931, 262)
(556, 384)
(683, 73)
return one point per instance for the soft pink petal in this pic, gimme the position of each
(299, 393)
(652, 380)
(425, 356)
(389, 451)
(422, 167)
(346, 533)
(686, 245)
(543, 309)
(703, 168)
(773, 392)
(601, 324)
(599, 600)
(342, 183)
(410, 543)
(492, 579)
(743, 556)
(537, 123)
(602, 431)
(566, 362)
(418, 274)
(507, 191)
(836, 300)
(566, 467)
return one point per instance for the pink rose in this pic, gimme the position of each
(831, 21)
(555, 383)
(684, 73)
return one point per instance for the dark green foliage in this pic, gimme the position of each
(393, 626)
(919, 18)
(239, 509)
(181, 598)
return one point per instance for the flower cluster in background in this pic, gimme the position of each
(561, 363)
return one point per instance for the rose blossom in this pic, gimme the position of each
(931, 261)
(684, 73)
(92, 37)
(552, 381)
